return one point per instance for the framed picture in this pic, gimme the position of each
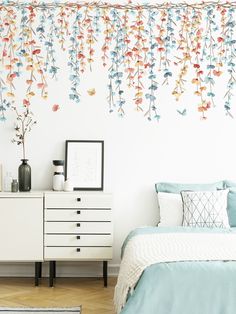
(84, 163)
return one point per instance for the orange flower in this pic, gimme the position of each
(217, 73)
(8, 66)
(195, 81)
(201, 109)
(91, 91)
(9, 94)
(30, 94)
(80, 56)
(159, 40)
(139, 94)
(29, 67)
(138, 101)
(10, 77)
(40, 85)
(139, 63)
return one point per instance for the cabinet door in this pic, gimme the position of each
(21, 229)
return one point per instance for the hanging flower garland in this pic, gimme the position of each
(143, 48)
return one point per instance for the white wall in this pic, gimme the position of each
(138, 153)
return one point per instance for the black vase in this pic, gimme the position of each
(24, 176)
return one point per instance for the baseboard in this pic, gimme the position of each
(68, 269)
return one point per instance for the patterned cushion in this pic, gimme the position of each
(205, 208)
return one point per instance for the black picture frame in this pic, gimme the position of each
(77, 163)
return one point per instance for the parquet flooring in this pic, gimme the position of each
(89, 292)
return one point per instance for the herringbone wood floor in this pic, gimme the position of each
(89, 292)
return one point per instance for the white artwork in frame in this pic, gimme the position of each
(84, 164)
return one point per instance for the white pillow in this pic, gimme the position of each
(171, 209)
(205, 209)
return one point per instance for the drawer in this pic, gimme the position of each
(78, 215)
(71, 253)
(77, 240)
(77, 200)
(78, 227)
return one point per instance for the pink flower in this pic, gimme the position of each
(55, 108)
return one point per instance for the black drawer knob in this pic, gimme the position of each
(78, 237)
(78, 224)
(78, 249)
(78, 199)
(78, 212)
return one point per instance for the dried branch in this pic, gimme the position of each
(23, 125)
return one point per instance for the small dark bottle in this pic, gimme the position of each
(14, 186)
(24, 176)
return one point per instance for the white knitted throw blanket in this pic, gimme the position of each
(144, 250)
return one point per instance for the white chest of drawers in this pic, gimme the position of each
(77, 227)
(56, 226)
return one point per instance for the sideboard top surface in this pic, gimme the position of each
(39, 194)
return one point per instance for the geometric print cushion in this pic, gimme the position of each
(205, 208)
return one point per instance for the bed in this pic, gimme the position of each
(180, 268)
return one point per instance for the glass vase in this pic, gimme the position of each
(24, 176)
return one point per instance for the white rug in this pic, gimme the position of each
(43, 310)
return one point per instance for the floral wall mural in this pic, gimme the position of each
(161, 43)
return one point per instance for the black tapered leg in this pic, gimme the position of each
(54, 269)
(105, 273)
(40, 269)
(51, 272)
(36, 273)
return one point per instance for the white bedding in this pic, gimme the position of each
(144, 250)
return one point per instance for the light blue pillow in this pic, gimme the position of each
(229, 184)
(231, 205)
(178, 187)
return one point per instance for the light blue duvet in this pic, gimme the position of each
(184, 287)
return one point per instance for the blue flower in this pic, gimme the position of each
(2, 118)
(157, 117)
(183, 112)
(167, 74)
(210, 94)
(209, 79)
(210, 66)
(153, 87)
(40, 29)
